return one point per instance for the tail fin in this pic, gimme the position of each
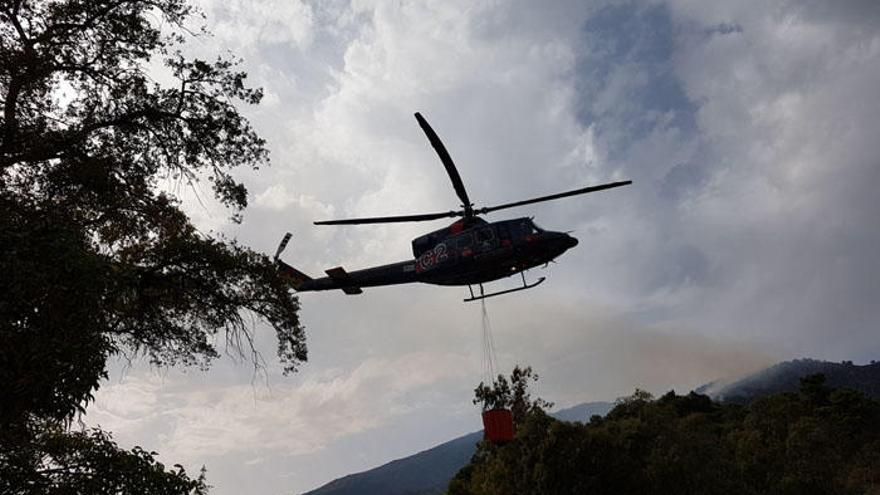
(287, 272)
(292, 275)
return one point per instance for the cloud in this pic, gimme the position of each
(279, 198)
(744, 128)
(247, 25)
(359, 150)
(785, 105)
(193, 423)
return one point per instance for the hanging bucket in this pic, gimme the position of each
(497, 426)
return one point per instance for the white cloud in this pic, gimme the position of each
(291, 417)
(277, 197)
(245, 25)
(785, 103)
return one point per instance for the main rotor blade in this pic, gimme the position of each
(447, 163)
(554, 196)
(400, 218)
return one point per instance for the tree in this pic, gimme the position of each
(487, 471)
(96, 255)
(783, 443)
(54, 460)
(513, 394)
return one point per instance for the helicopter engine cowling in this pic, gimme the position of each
(427, 242)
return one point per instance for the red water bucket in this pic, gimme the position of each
(497, 426)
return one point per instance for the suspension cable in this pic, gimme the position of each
(490, 359)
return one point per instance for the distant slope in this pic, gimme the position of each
(785, 377)
(583, 412)
(429, 471)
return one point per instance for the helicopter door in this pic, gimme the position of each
(502, 232)
(464, 244)
(485, 240)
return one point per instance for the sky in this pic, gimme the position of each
(749, 236)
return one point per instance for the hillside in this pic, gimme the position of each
(429, 471)
(785, 377)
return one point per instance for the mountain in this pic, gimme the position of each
(785, 377)
(429, 471)
(583, 412)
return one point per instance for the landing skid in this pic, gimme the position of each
(508, 291)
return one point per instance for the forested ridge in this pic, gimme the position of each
(818, 440)
(785, 377)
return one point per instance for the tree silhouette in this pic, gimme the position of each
(96, 255)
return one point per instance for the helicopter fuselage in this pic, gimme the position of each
(464, 253)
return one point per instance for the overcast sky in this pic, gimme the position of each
(751, 233)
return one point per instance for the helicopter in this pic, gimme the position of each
(470, 251)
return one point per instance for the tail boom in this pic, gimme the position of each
(349, 282)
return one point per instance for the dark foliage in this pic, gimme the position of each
(96, 256)
(819, 440)
(513, 394)
(51, 460)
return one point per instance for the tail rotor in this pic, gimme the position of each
(282, 245)
(293, 276)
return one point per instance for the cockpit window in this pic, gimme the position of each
(527, 227)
